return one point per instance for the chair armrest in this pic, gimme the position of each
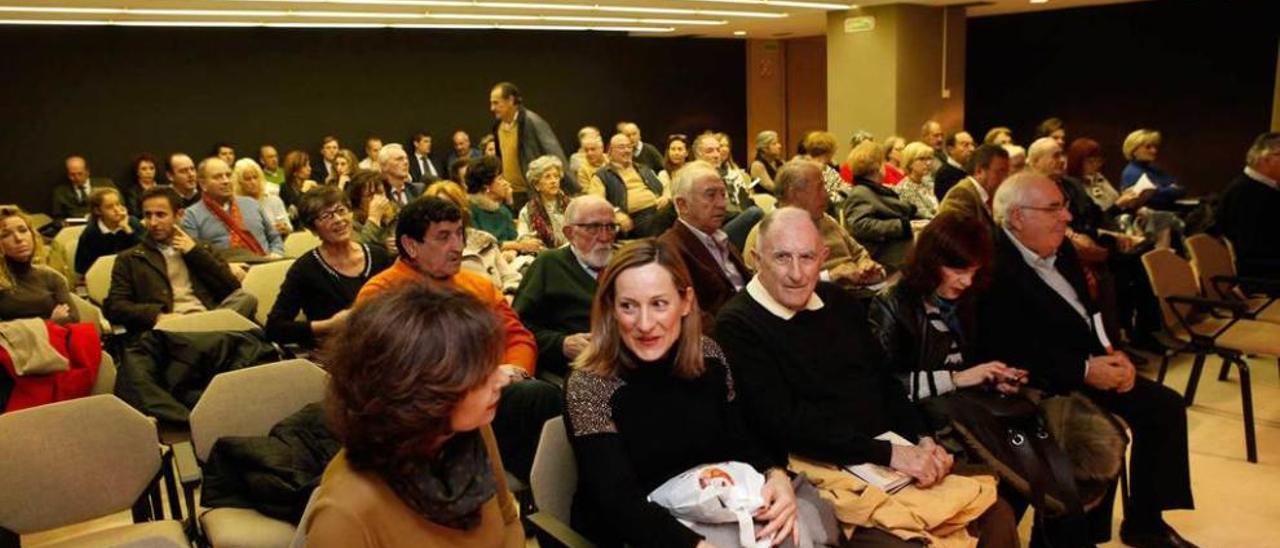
(1270, 286)
(552, 532)
(1232, 306)
(188, 469)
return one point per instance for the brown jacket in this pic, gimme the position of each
(141, 292)
(353, 509)
(965, 198)
(710, 283)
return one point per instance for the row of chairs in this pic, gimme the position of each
(1206, 311)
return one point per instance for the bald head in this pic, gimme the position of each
(77, 170)
(215, 178)
(585, 206)
(1045, 157)
(788, 255)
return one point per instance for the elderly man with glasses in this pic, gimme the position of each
(1039, 316)
(554, 298)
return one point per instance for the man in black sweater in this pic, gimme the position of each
(554, 298)
(1247, 212)
(953, 170)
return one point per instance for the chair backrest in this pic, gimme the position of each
(300, 242)
(218, 319)
(106, 381)
(98, 278)
(1210, 257)
(1170, 276)
(39, 220)
(73, 461)
(90, 313)
(69, 239)
(554, 474)
(248, 402)
(263, 281)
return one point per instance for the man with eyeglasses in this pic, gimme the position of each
(810, 374)
(554, 298)
(1038, 315)
(633, 189)
(643, 153)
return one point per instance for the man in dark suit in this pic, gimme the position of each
(1247, 212)
(642, 153)
(973, 195)
(322, 165)
(1038, 315)
(959, 149)
(715, 264)
(72, 199)
(395, 175)
(422, 169)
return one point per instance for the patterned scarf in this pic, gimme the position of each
(541, 220)
(451, 489)
(238, 236)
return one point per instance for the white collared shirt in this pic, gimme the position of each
(1258, 176)
(718, 245)
(102, 227)
(1044, 267)
(761, 295)
(595, 274)
(954, 163)
(982, 192)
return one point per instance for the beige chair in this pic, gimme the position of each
(90, 313)
(1214, 264)
(97, 280)
(298, 243)
(1209, 326)
(40, 220)
(218, 319)
(249, 402)
(77, 460)
(263, 281)
(554, 479)
(68, 239)
(106, 381)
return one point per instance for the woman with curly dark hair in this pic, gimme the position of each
(411, 398)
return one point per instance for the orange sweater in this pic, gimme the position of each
(521, 349)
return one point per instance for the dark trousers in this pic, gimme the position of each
(1159, 470)
(523, 409)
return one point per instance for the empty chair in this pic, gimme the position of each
(106, 381)
(1215, 266)
(72, 461)
(219, 319)
(247, 402)
(554, 480)
(1209, 326)
(300, 242)
(67, 240)
(97, 280)
(263, 281)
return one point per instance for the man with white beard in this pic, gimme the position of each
(554, 298)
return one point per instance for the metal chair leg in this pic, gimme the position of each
(1194, 380)
(1164, 367)
(1225, 371)
(1246, 402)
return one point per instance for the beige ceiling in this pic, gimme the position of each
(715, 18)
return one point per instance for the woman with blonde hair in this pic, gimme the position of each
(917, 187)
(250, 181)
(1141, 148)
(28, 288)
(344, 165)
(651, 397)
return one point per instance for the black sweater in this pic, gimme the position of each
(1247, 216)
(319, 291)
(816, 385)
(632, 433)
(94, 243)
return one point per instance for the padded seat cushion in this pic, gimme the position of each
(155, 534)
(244, 528)
(1249, 336)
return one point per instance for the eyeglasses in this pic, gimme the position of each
(340, 211)
(1054, 209)
(595, 228)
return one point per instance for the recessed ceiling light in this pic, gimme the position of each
(290, 14)
(784, 3)
(739, 33)
(1039, 1)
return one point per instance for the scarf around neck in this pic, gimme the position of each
(450, 489)
(237, 235)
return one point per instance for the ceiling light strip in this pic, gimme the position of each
(535, 6)
(360, 15)
(277, 24)
(783, 3)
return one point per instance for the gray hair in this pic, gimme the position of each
(1015, 150)
(1041, 147)
(581, 204)
(682, 185)
(794, 177)
(384, 155)
(597, 139)
(766, 138)
(1013, 193)
(540, 166)
(1264, 144)
(779, 214)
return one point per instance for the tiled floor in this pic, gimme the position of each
(1237, 503)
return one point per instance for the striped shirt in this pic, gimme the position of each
(927, 384)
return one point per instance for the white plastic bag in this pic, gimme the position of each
(725, 492)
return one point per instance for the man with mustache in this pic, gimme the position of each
(430, 238)
(554, 298)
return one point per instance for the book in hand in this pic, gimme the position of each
(883, 477)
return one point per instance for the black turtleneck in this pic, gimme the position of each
(37, 290)
(634, 432)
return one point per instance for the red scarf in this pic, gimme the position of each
(236, 233)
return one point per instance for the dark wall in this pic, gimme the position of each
(109, 93)
(1202, 73)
